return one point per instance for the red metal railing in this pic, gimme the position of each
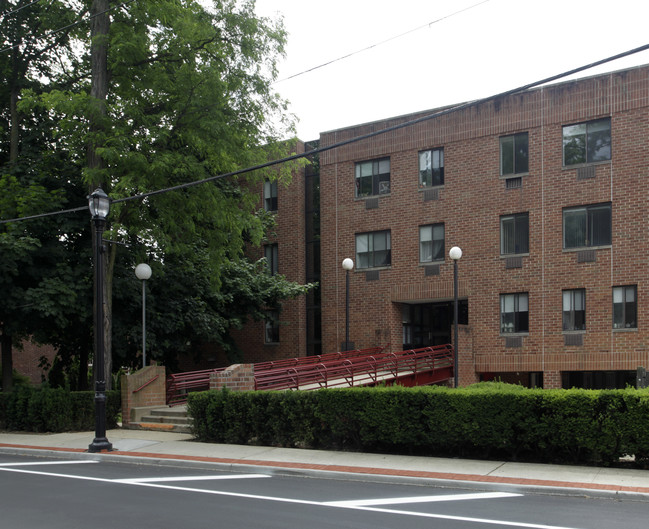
(413, 367)
(180, 384)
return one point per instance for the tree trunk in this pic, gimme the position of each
(98, 91)
(7, 362)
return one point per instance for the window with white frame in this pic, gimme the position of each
(625, 307)
(431, 168)
(587, 142)
(514, 313)
(271, 323)
(587, 226)
(373, 249)
(372, 178)
(574, 310)
(514, 154)
(431, 243)
(271, 255)
(270, 196)
(514, 234)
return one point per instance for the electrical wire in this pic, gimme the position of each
(18, 9)
(355, 139)
(427, 25)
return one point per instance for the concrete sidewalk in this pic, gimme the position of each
(158, 446)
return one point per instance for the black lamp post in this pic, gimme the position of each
(348, 265)
(455, 254)
(99, 205)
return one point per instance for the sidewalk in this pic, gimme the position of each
(155, 446)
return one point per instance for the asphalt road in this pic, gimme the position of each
(74, 494)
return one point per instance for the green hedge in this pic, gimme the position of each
(54, 410)
(484, 421)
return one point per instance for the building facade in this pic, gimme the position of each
(545, 192)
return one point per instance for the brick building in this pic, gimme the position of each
(544, 191)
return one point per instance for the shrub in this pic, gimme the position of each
(488, 420)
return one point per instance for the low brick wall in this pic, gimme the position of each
(142, 389)
(237, 377)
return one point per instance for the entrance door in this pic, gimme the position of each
(428, 324)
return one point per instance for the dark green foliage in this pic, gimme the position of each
(54, 410)
(482, 421)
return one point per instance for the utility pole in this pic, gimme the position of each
(99, 28)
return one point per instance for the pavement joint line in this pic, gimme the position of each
(455, 477)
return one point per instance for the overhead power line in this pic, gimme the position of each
(356, 138)
(427, 25)
(19, 8)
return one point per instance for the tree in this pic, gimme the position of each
(29, 50)
(188, 97)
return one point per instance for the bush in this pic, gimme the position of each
(54, 410)
(488, 420)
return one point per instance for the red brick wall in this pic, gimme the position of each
(27, 358)
(290, 238)
(471, 203)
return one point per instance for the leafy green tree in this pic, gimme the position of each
(188, 96)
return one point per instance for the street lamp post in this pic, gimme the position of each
(99, 205)
(348, 265)
(455, 254)
(143, 272)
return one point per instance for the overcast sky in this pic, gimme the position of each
(489, 48)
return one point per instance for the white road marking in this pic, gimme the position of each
(46, 463)
(294, 500)
(135, 481)
(421, 499)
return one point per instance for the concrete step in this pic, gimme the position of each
(167, 419)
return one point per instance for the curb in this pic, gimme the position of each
(446, 480)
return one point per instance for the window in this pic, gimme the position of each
(271, 334)
(514, 234)
(574, 310)
(431, 168)
(373, 249)
(587, 226)
(514, 314)
(270, 196)
(514, 154)
(373, 178)
(625, 307)
(431, 243)
(271, 255)
(587, 142)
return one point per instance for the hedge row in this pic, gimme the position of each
(54, 410)
(483, 421)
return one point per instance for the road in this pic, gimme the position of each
(42, 492)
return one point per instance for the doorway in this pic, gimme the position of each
(426, 324)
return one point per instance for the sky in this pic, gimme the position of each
(452, 56)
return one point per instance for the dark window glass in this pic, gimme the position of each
(372, 178)
(587, 226)
(514, 154)
(431, 243)
(270, 196)
(574, 310)
(514, 313)
(431, 168)
(373, 249)
(625, 307)
(271, 255)
(514, 234)
(271, 334)
(587, 142)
